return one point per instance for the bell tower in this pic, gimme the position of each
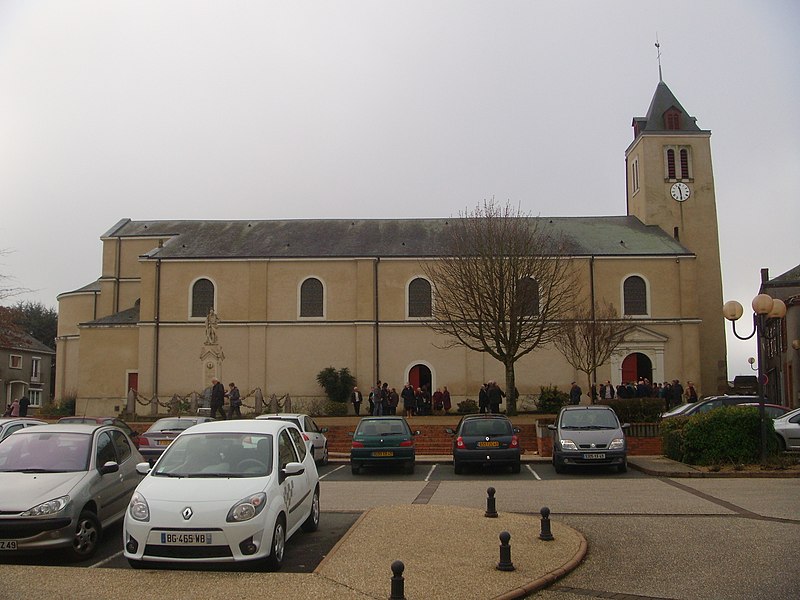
(670, 184)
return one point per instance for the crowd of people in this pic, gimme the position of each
(384, 400)
(671, 392)
(18, 408)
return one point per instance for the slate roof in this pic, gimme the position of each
(791, 277)
(663, 100)
(386, 238)
(13, 340)
(129, 316)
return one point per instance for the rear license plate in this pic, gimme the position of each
(164, 442)
(383, 453)
(185, 539)
(8, 544)
(595, 456)
(488, 444)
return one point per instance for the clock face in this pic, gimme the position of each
(680, 191)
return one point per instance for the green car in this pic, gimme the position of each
(383, 441)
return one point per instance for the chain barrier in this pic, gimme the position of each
(184, 403)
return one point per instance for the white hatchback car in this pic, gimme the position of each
(224, 491)
(312, 433)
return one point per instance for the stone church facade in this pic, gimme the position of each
(292, 297)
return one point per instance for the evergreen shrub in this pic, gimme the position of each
(636, 410)
(551, 399)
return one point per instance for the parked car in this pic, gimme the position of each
(772, 411)
(589, 435)
(312, 433)
(706, 404)
(383, 441)
(485, 440)
(69, 483)
(225, 491)
(787, 429)
(9, 425)
(155, 440)
(116, 422)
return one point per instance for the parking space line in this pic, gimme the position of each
(334, 471)
(105, 560)
(433, 467)
(535, 474)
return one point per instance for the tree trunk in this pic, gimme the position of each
(511, 390)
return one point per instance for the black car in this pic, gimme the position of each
(709, 403)
(589, 435)
(485, 440)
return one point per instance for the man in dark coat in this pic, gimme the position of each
(483, 398)
(496, 396)
(217, 398)
(575, 393)
(23, 406)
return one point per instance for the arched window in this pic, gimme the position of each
(684, 163)
(202, 297)
(635, 294)
(311, 298)
(419, 298)
(528, 296)
(671, 163)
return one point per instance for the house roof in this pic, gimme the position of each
(13, 340)
(386, 238)
(791, 277)
(129, 316)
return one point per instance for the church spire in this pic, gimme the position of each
(658, 57)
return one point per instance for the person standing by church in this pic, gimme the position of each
(356, 397)
(217, 399)
(575, 393)
(23, 406)
(235, 400)
(483, 399)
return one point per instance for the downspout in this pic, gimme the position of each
(117, 270)
(157, 320)
(594, 325)
(377, 334)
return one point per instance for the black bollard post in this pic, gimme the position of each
(505, 563)
(491, 511)
(398, 583)
(546, 534)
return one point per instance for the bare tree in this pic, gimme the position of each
(8, 322)
(590, 338)
(503, 285)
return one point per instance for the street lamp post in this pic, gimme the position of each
(764, 307)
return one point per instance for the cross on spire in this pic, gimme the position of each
(658, 49)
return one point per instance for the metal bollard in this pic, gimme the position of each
(505, 563)
(491, 511)
(398, 583)
(546, 534)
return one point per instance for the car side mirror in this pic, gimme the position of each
(351, 433)
(292, 469)
(109, 467)
(143, 468)
(626, 425)
(552, 427)
(324, 430)
(417, 432)
(516, 430)
(450, 430)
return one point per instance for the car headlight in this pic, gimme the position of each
(568, 445)
(617, 444)
(47, 508)
(247, 508)
(138, 508)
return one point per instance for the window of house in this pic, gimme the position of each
(419, 298)
(202, 297)
(635, 175)
(311, 298)
(36, 368)
(15, 361)
(635, 296)
(528, 296)
(35, 397)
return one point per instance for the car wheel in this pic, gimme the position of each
(87, 535)
(560, 469)
(275, 558)
(516, 467)
(781, 444)
(354, 468)
(325, 455)
(458, 467)
(409, 467)
(623, 468)
(312, 522)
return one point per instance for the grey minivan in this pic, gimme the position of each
(589, 436)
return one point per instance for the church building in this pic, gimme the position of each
(288, 298)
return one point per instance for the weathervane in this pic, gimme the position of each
(658, 47)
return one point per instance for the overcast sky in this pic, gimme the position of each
(370, 109)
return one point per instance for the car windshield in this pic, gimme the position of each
(680, 409)
(486, 427)
(217, 455)
(172, 424)
(588, 419)
(383, 428)
(45, 452)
